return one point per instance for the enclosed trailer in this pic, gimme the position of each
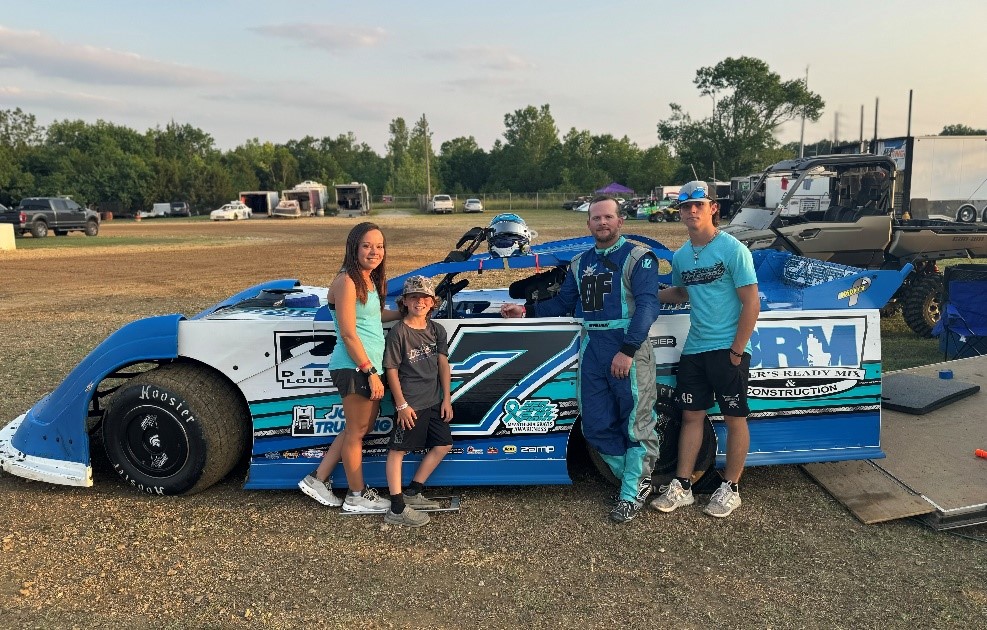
(260, 202)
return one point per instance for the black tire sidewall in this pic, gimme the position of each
(172, 407)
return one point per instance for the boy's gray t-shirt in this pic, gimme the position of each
(415, 355)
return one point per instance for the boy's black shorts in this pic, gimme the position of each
(706, 375)
(429, 431)
(349, 381)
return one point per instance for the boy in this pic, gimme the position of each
(417, 368)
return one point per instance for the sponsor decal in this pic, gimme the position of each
(859, 286)
(510, 449)
(272, 455)
(538, 449)
(818, 358)
(472, 450)
(313, 453)
(301, 359)
(664, 341)
(291, 454)
(304, 423)
(492, 450)
(456, 450)
(535, 415)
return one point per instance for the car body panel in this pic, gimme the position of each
(815, 381)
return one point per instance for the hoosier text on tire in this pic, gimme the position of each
(177, 429)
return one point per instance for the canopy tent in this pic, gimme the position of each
(613, 188)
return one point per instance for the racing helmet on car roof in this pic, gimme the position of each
(508, 235)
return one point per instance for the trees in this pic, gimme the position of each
(961, 130)
(749, 103)
(463, 165)
(530, 157)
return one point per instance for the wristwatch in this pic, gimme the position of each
(372, 370)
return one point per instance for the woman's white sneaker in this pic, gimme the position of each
(321, 491)
(368, 501)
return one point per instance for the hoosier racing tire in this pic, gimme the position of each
(174, 430)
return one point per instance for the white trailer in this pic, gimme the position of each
(260, 202)
(311, 197)
(352, 200)
(944, 177)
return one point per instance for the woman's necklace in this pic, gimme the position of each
(696, 252)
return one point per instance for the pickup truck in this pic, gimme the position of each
(441, 204)
(840, 209)
(38, 215)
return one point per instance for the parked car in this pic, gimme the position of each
(179, 209)
(61, 215)
(179, 401)
(583, 207)
(232, 211)
(473, 205)
(572, 203)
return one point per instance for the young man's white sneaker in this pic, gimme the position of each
(674, 496)
(321, 491)
(369, 501)
(723, 502)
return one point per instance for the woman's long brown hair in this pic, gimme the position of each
(351, 264)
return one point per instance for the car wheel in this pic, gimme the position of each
(659, 217)
(669, 425)
(39, 229)
(966, 214)
(174, 430)
(92, 228)
(921, 307)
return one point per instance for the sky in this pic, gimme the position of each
(276, 71)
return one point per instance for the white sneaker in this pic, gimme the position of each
(723, 502)
(674, 496)
(321, 491)
(369, 501)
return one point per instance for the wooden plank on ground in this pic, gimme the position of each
(869, 493)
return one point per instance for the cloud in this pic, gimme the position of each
(333, 38)
(48, 57)
(286, 96)
(63, 101)
(489, 57)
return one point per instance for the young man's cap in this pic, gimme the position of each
(692, 191)
(418, 284)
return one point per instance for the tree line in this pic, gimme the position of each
(115, 166)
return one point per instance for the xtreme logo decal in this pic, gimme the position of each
(301, 358)
(495, 369)
(817, 358)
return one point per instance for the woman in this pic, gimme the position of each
(356, 300)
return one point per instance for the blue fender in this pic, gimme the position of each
(55, 427)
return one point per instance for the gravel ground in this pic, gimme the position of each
(105, 557)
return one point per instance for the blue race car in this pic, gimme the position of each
(178, 401)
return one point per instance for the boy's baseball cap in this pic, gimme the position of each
(418, 284)
(693, 191)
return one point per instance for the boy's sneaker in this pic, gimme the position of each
(625, 511)
(420, 501)
(723, 502)
(674, 496)
(369, 502)
(321, 491)
(410, 517)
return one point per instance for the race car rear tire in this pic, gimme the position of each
(921, 307)
(668, 427)
(177, 429)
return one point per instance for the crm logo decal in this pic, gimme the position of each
(535, 415)
(305, 424)
(816, 359)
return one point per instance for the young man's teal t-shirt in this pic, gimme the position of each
(723, 266)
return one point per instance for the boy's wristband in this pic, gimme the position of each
(401, 407)
(739, 355)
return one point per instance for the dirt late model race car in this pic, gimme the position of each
(178, 401)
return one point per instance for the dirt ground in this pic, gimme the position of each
(105, 557)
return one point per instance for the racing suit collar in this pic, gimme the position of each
(612, 248)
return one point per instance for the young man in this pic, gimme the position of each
(714, 272)
(613, 288)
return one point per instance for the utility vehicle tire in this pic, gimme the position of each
(669, 425)
(658, 217)
(966, 214)
(39, 229)
(920, 308)
(174, 430)
(92, 228)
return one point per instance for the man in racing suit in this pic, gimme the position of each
(613, 287)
